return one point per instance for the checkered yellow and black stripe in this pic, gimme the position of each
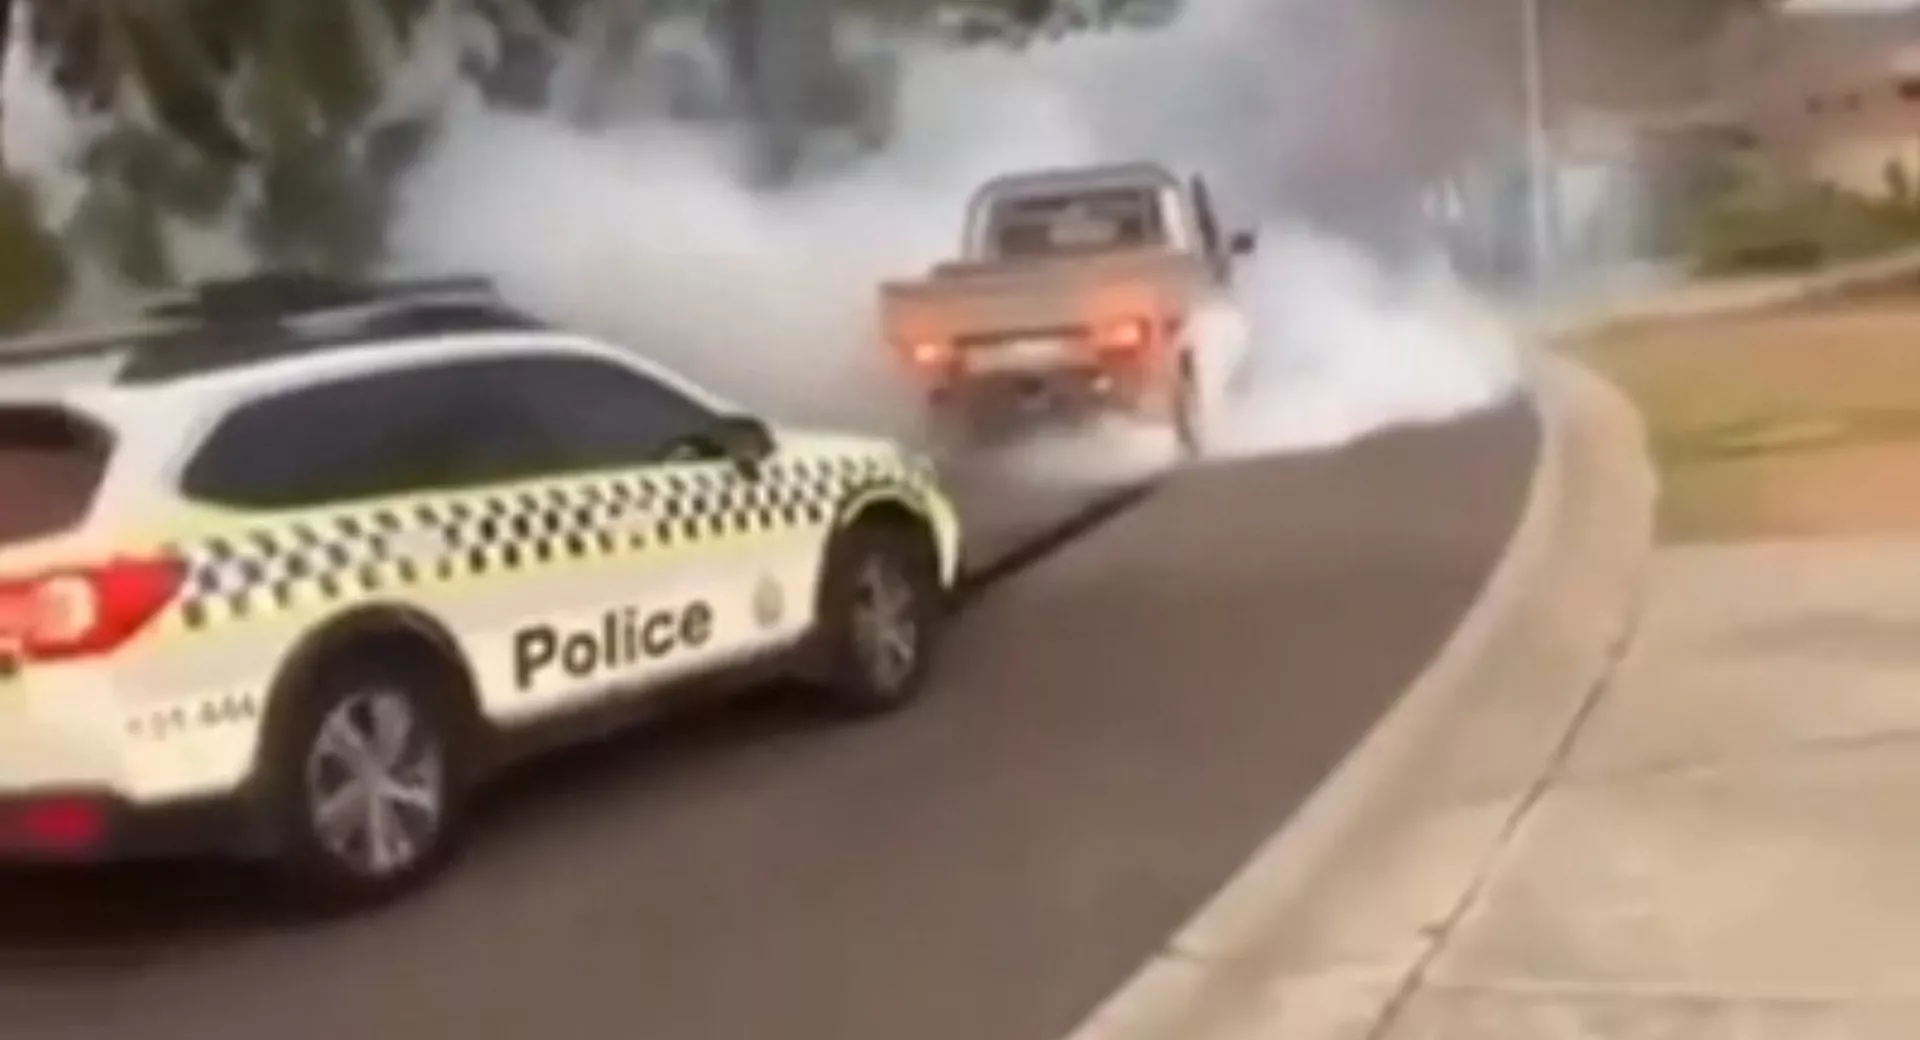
(331, 556)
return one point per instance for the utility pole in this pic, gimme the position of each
(1539, 157)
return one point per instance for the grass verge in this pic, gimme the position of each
(1802, 422)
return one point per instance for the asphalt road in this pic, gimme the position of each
(1114, 731)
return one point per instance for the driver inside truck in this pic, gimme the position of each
(1083, 222)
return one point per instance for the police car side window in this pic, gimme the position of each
(599, 414)
(385, 434)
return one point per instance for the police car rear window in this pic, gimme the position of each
(51, 465)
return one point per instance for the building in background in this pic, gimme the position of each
(1825, 96)
(1828, 97)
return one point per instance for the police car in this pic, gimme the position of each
(291, 569)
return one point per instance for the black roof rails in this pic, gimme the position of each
(280, 295)
(238, 322)
(27, 351)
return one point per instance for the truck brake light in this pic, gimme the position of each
(928, 354)
(85, 611)
(1127, 334)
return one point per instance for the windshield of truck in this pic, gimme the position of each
(1077, 222)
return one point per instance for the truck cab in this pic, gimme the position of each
(1079, 214)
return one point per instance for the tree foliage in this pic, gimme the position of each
(249, 114)
(265, 118)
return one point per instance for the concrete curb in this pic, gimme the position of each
(1216, 970)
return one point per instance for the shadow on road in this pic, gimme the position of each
(111, 915)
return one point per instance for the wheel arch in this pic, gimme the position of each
(889, 505)
(408, 630)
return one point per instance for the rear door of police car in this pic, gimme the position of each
(524, 535)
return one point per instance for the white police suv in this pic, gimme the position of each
(287, 572)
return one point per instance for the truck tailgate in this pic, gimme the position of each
(962, 304)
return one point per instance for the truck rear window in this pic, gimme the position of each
(51, 465)
(1076, 222)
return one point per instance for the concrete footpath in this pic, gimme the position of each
(1730, 845)
(1719, 840)
(1325, 926)
(1724, 845)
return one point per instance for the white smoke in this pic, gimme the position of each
(645, 234)
(1342, 348)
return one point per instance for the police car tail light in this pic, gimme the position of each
(87, 610)
(56, 825)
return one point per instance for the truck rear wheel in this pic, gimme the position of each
(1188, 413)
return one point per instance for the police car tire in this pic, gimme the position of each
(312, 875)
(851, 683)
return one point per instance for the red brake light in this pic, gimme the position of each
(62, 825)
(83, 611)
(1128, 334)
(928, 354)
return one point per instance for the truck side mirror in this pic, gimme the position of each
(1242, 243)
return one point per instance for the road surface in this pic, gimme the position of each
(1115, 731)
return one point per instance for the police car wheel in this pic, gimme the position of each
(881, 609)
(367, 798)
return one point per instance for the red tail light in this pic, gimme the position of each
(1125, 335)
(57, 825)
(929, 355)
(86, 611)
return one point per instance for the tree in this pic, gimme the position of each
(34, 275)
(247, 111)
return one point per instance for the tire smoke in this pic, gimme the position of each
(644, 233)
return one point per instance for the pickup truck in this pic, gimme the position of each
(1079, 292)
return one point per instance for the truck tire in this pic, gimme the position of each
(880, 610)
(1189, 410)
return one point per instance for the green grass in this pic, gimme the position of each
(1744, 413)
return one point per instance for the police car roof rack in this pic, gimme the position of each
(43, 348)
(229, 324)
